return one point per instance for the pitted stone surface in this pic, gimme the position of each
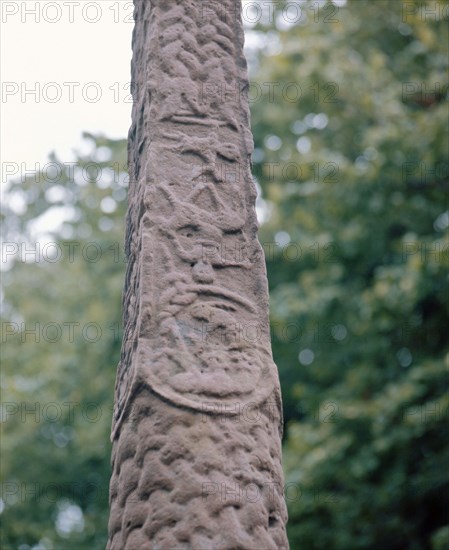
(197, 418)
(186, 480)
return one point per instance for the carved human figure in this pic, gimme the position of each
(197, 420)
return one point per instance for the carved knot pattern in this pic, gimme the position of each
(196, 352)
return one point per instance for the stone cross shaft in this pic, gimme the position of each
(196, 460)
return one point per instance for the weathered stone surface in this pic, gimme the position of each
(197, 419)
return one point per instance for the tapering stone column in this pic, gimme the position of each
(197, 422)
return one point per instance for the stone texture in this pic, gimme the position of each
(197, 420)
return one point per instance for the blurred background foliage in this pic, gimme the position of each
(349, 114)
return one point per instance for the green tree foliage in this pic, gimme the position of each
(352, 156)
(61, 338)
(349, 113)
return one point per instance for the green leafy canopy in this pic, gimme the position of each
(349, 114)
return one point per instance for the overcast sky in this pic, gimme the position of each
(65, 70)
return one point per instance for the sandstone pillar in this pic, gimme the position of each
(197, 420)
